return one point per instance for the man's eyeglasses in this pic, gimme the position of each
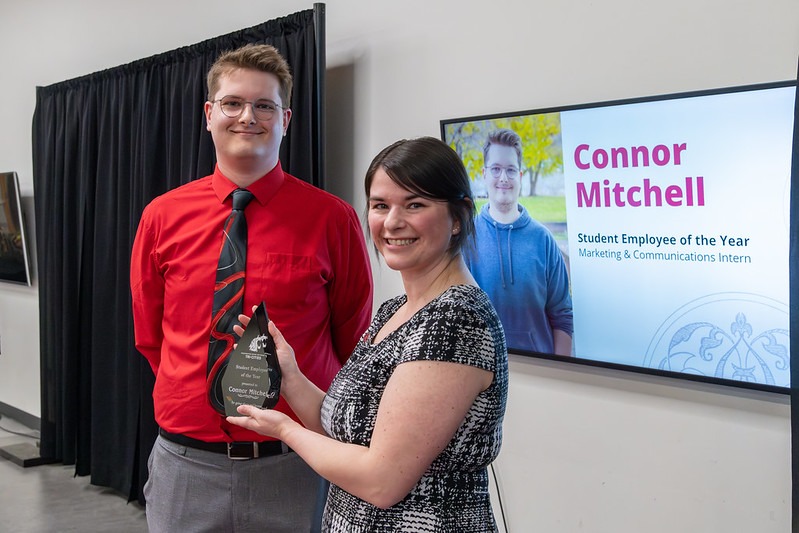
(233, 106)
(496, 171)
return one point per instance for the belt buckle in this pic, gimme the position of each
(241, 451)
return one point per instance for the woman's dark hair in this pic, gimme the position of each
(428, 167)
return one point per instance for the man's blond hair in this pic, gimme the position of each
(260, 57)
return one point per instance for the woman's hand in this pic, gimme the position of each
(244, 319)
(285, 353)
(302, 395)
(264, 421)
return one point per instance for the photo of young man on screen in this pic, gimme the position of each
(649, 234)
(516, 259)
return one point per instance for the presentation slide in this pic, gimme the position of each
(672, 216)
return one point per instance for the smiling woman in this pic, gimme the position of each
(412, 420)
(412, 233)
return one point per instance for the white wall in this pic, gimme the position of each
(586, 449)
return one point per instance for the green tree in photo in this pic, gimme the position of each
(467, 139)
(542, 153)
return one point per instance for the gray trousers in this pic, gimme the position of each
(192, 490)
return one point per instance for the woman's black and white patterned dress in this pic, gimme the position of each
(461, 326)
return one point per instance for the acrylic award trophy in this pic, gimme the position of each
(252, 374)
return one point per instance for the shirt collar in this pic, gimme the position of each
(264, 188)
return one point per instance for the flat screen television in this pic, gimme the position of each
(14, 257)
(671, 214)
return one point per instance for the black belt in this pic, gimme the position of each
(236, 450)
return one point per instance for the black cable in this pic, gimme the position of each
(499, 499)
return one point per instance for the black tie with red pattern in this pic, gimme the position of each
(228, 295)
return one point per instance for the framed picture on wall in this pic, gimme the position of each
(14, 254)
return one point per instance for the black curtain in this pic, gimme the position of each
(104, 145)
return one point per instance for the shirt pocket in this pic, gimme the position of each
(292, 284)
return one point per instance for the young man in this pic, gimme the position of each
(306, 259)
(518, 263)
